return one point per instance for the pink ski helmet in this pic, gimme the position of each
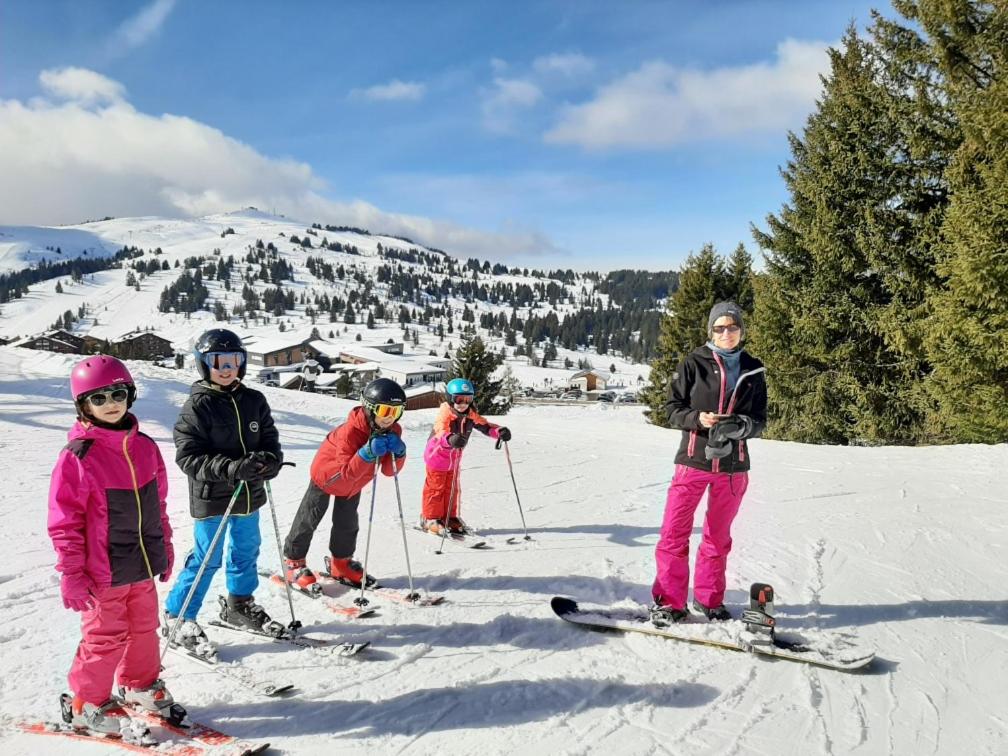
(97, 372)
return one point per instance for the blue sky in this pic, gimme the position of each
(574, 134)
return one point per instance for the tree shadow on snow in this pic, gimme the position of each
(504, 703)
(623, 535)
(598, 590)
(844, 615)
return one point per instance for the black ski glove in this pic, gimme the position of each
(269, 465)
(456, 440)
(736, 427)
(503, 434)
(245, 468)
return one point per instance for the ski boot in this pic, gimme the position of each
(109, 720)
(156, 699)
(437, 527)
(457, 526)
(189, 636)
(663, 616)
(713, 613)
(299, 576)
(243, 612)
(348, 571)
(758, 618)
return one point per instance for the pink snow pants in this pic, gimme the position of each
(725, 494)
(119, 641)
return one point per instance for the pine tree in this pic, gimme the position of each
(969, 383)
(702, 282)
(474, 362)
(833, 303)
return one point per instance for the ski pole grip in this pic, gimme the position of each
(497, 446)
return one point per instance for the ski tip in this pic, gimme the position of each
(562, 605)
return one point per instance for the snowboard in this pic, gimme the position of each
(823, 649)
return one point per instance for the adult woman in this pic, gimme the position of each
(719, 401)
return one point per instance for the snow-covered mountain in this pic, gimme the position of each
(905, 548)
(105, 307)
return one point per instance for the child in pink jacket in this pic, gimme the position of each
(109, 525)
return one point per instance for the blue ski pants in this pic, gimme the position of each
(243, 554)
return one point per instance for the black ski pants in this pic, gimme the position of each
(342, 536)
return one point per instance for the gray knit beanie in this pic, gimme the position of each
(721, 309)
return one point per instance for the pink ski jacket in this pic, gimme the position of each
(108, 519)
(439, 454)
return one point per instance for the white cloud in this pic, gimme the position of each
(504, 102)
(140, 27)
(394, 90)
(659, 105)
(81, 85)
(91, 154)
(569, 64)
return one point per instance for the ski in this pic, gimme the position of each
(329, 602)
(388, 593)
(470, 540)
(219, 741)
(337, 648)
(242, 676)
(64, 730)
(831, 650)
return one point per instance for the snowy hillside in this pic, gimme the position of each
(906, 548)
(105, 307)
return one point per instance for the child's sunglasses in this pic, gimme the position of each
(383, 411)
(224, 360)
(117, 396)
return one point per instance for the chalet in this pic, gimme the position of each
(56, 340)
(409, 372)
(263, 353)
(588, 380)
(141, 345)
(423, 397)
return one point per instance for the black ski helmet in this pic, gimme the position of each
(382, 391)
(218, 340)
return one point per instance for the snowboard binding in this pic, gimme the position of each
(758, 618)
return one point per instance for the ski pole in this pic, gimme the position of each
(294, 625)
(456, 457)
(412, 595)
(507, 456)
(360, 600)
(202, 568)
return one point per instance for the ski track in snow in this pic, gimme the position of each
(905, 548)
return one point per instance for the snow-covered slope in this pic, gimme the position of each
(111, 308)
(907, 548)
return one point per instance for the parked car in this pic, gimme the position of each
(627, 399)
(607, 396)
(574, 393)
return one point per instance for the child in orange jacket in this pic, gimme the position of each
(344, 464)
(455, 422)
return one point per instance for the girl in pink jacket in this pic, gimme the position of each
(109, 525)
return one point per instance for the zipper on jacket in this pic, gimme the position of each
(716, 463)
(136, 493)
(248, 496)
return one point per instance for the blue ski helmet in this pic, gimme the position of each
(460, 387)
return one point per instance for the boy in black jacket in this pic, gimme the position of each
(224, 435)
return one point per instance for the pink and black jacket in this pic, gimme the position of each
(108, 519)
(699, 385)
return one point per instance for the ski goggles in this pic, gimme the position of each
(384, 411)
(116, 396)
(462, 399)
(224, 360)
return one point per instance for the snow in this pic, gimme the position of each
(905, 548)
